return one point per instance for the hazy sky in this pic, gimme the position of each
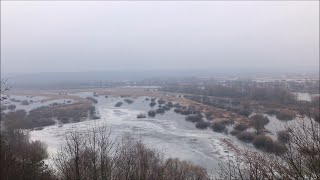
(87, 36)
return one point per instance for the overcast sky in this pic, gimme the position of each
(88, 36)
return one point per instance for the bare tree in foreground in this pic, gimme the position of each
(21, 158)
(94, 155)
(300, 160)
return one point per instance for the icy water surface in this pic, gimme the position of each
(169, 133)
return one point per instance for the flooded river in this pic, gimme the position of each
(169, 133)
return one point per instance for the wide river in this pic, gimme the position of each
(169, 133)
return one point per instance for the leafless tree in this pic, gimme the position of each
(94, 155)
(301, 159)
(22, 158)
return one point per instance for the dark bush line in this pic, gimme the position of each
(19, 119)
(186, 111)
(43, 116)
(231, 106)
(237, 90)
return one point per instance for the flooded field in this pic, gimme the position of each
(169, 133)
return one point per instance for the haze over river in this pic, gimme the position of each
(169, 132)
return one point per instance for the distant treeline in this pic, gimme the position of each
(271, 94)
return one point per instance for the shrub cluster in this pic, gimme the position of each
(267, 144)
(152, 104)
(118, 104)
(282, 114)
(12, 107)
(209, 114)
(25, 102)
(246, 136)
(140, 116)
(285, 115)
(194, 118)
(218, 127)
(177, 110)
(202, 125)
(152, 113)
(186, 110)
(241, 127)
(161, 101)
(170, 104)
(129, 101)
(160, 111)
(259, 121)
(283, 136)
(234, 132)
